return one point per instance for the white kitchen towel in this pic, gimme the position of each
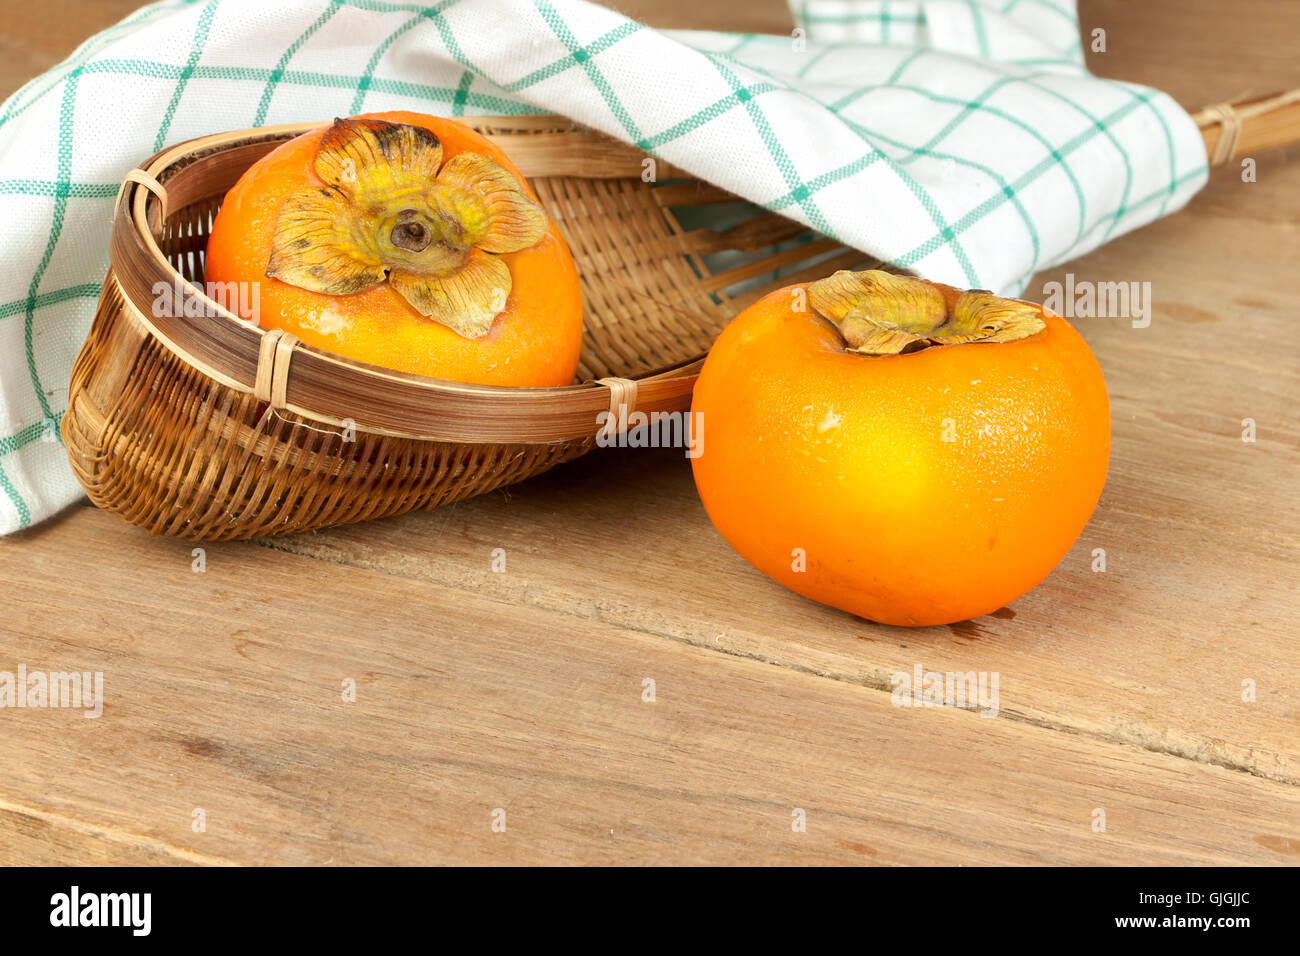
(963, 139)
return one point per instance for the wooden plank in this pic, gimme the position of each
(1195, 50)
(222, 692)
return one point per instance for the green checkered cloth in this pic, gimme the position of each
(962, 139)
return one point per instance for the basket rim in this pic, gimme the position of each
(234, 351)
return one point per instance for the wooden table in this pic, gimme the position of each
(479, 692)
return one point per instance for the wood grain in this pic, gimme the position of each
(223, 692)
(523, 690)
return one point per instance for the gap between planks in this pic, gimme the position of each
(879, 683)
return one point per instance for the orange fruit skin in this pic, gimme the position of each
(535, 341)
(808, 446)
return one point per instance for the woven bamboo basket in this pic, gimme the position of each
(207, 427)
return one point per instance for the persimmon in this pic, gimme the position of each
(900, 449)
(405, 241)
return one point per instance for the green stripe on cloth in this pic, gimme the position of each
(849, 98)
(44, 187)
(165, 71)
(1032, 80)
(579, 55)
(993, 202)
(82, 54)
(1024, 127)
(368, 75)
(196, 50)
(26, 436)
(802, 192)
(274, 79)
(705, 116)
(799, 190)
(814, 60)
(598, 80)
(1161, 194)
(89, 290)
(67, 109)
(462, 93)
(981, 34)
(993, 174)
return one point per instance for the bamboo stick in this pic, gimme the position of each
(1249, 125)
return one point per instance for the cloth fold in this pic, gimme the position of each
(962, 139)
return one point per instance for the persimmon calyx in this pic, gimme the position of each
(392, 210)
(879, 313)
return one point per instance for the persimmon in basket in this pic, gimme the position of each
(405, 241)
(900, 449)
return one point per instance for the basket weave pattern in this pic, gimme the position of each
(167, 427)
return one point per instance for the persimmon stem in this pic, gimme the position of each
(878, 313)
(410, 234)
(393, 211)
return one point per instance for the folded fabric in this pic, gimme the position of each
(962, 139)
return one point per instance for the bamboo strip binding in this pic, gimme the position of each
(1233, 129)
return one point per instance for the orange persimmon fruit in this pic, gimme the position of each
(900, 449)
(405, 241)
